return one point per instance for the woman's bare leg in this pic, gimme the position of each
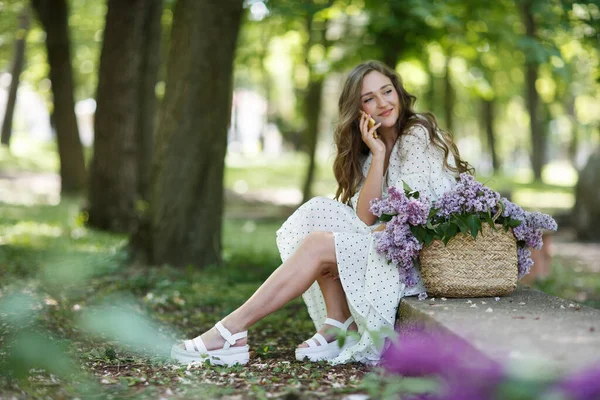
(335, 302)
(314, 258)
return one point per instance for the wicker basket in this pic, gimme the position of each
(467, 267)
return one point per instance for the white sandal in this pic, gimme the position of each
(324, 350)
(195, 350)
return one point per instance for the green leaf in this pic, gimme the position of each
(513, 223)
(428, 238)
(452, 229)
(461, 222)
(490, 221)
(440, 230)
(386, 217)
(450, 233)
(407, 188)
(419, 233)
(474, 224)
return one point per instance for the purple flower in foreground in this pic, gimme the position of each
(466, 374)
(582, 385)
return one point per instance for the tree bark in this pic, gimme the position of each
(15, 74)
(148, 103)
(53, 14)
(124, 113)
(538, 138)
(574, 140)
(586, 214)
(312, 110)
(186, 204)
(449, 96)
(488, 123)
(311, 103)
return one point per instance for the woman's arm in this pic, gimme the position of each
(371, 189)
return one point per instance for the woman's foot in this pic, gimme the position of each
(214, 341)
(330, 333)
(324, 345)
(218, 346)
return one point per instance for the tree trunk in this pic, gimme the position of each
(488, 123)
(312, 110)
(586, 214)
(430, 94)
(449, 96)
(574, 140)
(15, 73)
(538, 139)
(391, 54)
(53, 14)
(186, 204)
(150, 64)
(125, 95)
(311, 104)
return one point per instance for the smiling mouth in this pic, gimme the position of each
(386, 113)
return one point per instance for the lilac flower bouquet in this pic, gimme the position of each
(404, 212)
(412, 222)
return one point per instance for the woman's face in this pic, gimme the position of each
(379, 98)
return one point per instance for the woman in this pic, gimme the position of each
(327, 245)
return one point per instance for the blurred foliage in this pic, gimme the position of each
(67, 295)
(74, 320)
(480, 44)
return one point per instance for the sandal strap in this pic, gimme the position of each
(343, 326)
(189, 345)
(199, 344)
(229, 338)
(319, 338)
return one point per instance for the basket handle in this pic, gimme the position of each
(499, 212)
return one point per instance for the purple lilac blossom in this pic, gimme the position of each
(524, 261)
(397, 243)
(529, 233)
(582, 385)
(511, 210)
(448, 357)
(467, 196)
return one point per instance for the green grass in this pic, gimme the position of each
(252, 174)
(554, 195)
(568, 281)
(67, 294)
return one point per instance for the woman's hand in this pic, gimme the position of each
(376, 146)
(379, 228)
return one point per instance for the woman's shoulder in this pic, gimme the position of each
(417, 128)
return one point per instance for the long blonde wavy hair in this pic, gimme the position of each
(351, 149)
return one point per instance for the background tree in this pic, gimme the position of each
(585, 212)
(186, 204)
(15, 73)
(124, 121)
(53, 14)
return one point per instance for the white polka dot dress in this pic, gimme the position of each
(372, 286)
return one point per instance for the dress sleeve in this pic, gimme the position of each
(422, 164)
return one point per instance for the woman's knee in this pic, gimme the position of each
(322, 245)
